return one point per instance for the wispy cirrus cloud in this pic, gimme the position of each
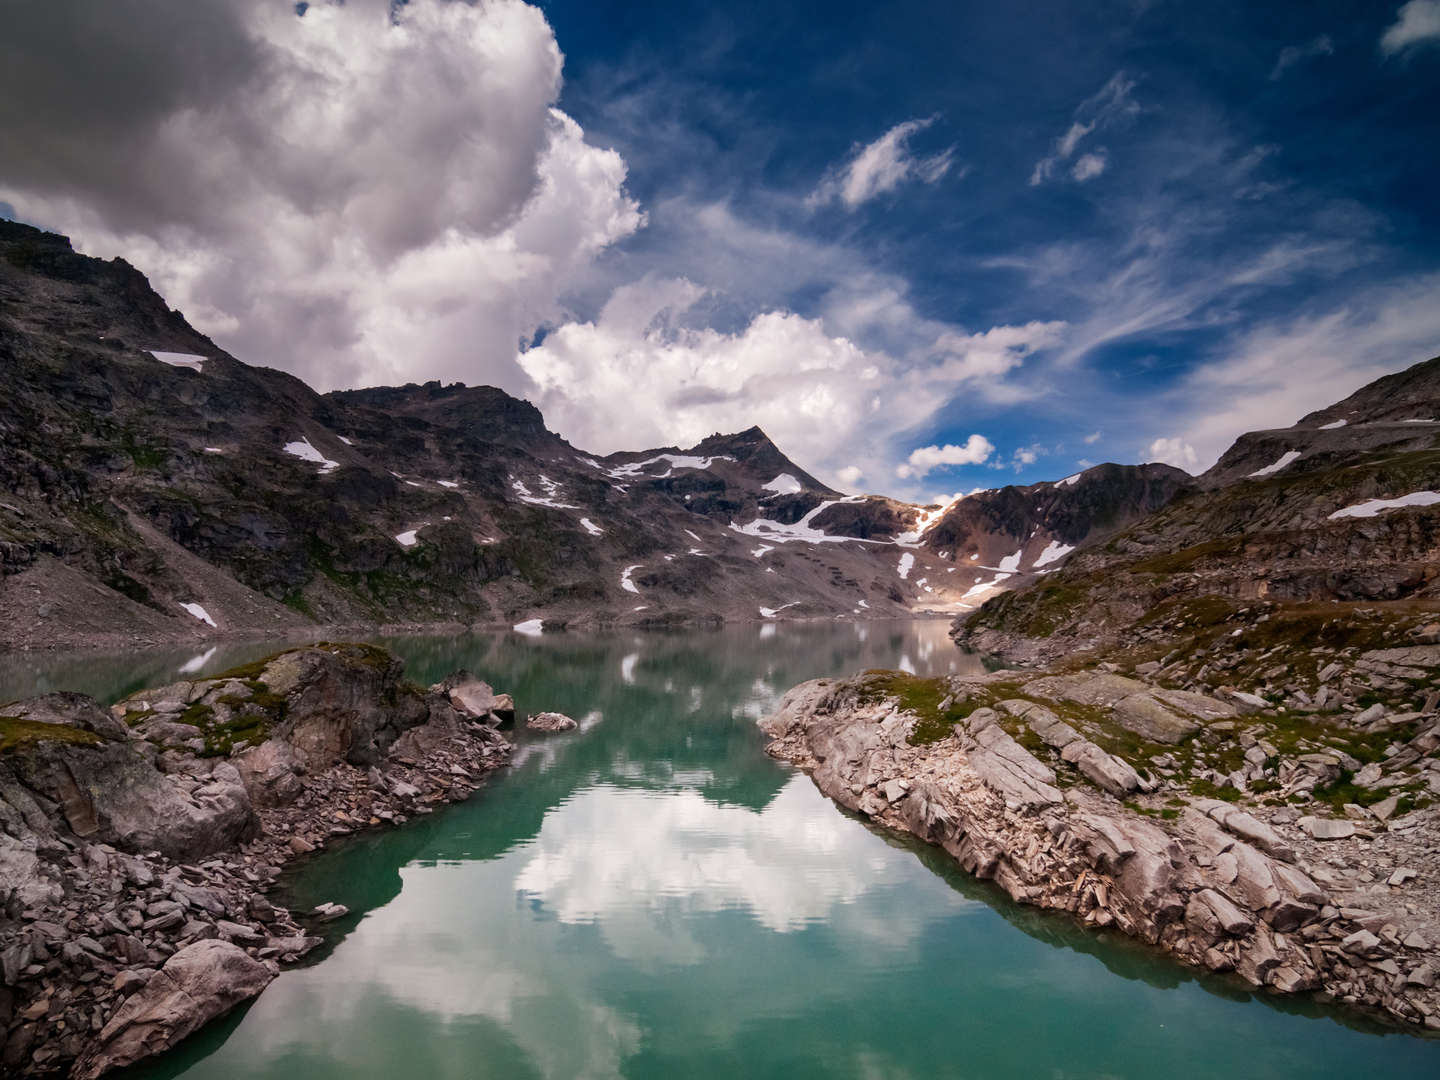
(1111, 105)
(1295, 54)
(881, 166)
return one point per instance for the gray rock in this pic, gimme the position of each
(196, 985)
(1327, 828)
(1105, 770)
(551, 722)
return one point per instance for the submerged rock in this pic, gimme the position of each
(550, 722)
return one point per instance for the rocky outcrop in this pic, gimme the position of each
(199, 983)
(138, 846)
(1002, 787)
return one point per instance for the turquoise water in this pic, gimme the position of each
(654, 897)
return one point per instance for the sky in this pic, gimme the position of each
(927, 247)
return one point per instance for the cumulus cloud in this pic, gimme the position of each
(849, 475)
(1089, 166)
(827, 401)
(1294, 54)
(1416, 23)
(1110, 106)
(358, 194)
(1173, 451)
(925, 459)
(1091, 439)
(882, 166)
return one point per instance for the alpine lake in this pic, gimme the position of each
(652, 896)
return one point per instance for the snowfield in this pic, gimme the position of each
(625, 582)
(1372, 507)
(591, 527)
(635, 469)
(1054, 552)
(906, 562)
(305, 452)
(1284, 459)
(784, 484)
(180, 359)
(199, 613)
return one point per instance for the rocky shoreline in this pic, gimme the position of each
(139, 845)
(1094, 794)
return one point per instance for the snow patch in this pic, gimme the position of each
(1070, 481)
(694, 537)
(1054, 552)
(770, 613)
(591, 527)
(863, 604)
(408, 538)
(343, 439)
(551, 498)
(180, 359)
(906, 562)
(784, 484)
(448, 483)
(1284, 459)
(1372, 507)
(1417, 421)
(199, 613)
(1010, 564)
(213, 450)
(1333, 425)
(530, 628)
(762, 549)
(305, 452)
(635, 469)
(625, 582)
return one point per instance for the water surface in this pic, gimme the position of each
(654, 897)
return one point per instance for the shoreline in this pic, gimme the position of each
(1211, 885)
(115, 918)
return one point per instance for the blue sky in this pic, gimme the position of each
(928, 247)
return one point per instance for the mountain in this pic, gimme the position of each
(158, 489)
(1333, 515)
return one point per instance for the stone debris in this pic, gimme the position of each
(1022, 792)
(551, 722)
(138, 846)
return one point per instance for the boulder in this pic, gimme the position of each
(197, 984)
(551, 722)
(1326, 828)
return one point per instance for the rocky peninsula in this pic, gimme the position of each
(139, 844)
(1289, 844)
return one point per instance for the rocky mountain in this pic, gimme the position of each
(1337, 514)
(158, 489)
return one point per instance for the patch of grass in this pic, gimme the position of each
(1186, 558)
(1207, 789)
(920, 697)
(16, 732)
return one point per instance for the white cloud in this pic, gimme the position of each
(849, 475)
(827, 402)
(1294, 54)
(1111, 105)
(386, 198)
(925, 459)
(1089, 166)
(882, 166)
(1273, 374)
(1416, 23)
(1092, 438)
(1173, 451)
(1025, 456)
